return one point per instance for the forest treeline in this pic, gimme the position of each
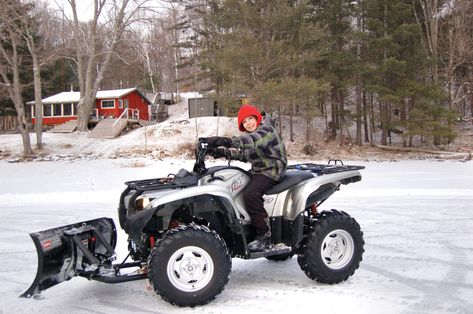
(379, 67)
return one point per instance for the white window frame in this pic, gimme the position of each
(53, 110)
(64, 109)
(120, 103)
(107, 100)
(50, 111)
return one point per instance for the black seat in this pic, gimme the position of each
(291, 178)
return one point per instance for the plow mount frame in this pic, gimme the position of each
(85, 249)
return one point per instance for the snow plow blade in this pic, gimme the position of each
(73, 250)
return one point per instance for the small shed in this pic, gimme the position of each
(201, 107)
(62, 107)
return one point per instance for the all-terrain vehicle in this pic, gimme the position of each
(184, 230)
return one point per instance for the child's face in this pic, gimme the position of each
(250, 123)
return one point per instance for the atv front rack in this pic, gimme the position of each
(182, 179)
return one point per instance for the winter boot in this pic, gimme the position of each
(262, 240)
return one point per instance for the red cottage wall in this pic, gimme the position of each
(135, 101)
(54, 120)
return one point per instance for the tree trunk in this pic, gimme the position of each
(149, 70)
(382, 112)
(372, 125)
(365, 116)
(15, 94)
(14, 90)
(30, 43)
(177, 53)
(280, 120)
(358, 91)
(325, 115)
(341, 118)
(333, 110)
(291, 123)
(37, 102)
(382, 106)
(403, 119)
(358, 111)
(471, 104)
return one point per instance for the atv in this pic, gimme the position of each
(184, 229)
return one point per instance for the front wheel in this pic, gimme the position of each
(189, 266)
(334, 248)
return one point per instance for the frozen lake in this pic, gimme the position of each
(417, 218)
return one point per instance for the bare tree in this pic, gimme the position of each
(430, 21)
(29, 23)
(31, 26)
(159, 50)
(458, 48)
(10, 63)
(122, 13)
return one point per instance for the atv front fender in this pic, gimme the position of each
(164, 203)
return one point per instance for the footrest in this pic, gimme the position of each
(273, 250)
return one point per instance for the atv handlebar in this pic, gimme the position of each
(202, 149)
(200, 152)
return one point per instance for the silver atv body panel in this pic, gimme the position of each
(292, 202)
(229, 183)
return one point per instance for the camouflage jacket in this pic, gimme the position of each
(263, 148)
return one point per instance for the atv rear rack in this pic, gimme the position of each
(333, 166)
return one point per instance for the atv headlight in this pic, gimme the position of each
(141, 203)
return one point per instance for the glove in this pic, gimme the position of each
(217, 152)
(216, 141)
(199, 167)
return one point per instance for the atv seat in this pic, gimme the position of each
(291, 178)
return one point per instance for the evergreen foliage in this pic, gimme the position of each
(397, 66)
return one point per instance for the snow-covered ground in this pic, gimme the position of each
(417, 217)
(159, 140)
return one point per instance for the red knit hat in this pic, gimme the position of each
(245, 112)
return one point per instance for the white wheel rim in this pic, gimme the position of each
(337, 249)
(190, 268)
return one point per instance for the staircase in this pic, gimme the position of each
(67, 127)
(109, 128)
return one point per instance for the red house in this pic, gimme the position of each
(62, 107)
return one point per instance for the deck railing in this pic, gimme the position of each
(124, 116)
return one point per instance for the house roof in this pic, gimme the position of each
(72, 97)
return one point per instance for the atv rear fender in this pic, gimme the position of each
(311, 191)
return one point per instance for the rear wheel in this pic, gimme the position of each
(334, 248)
(189, 266)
